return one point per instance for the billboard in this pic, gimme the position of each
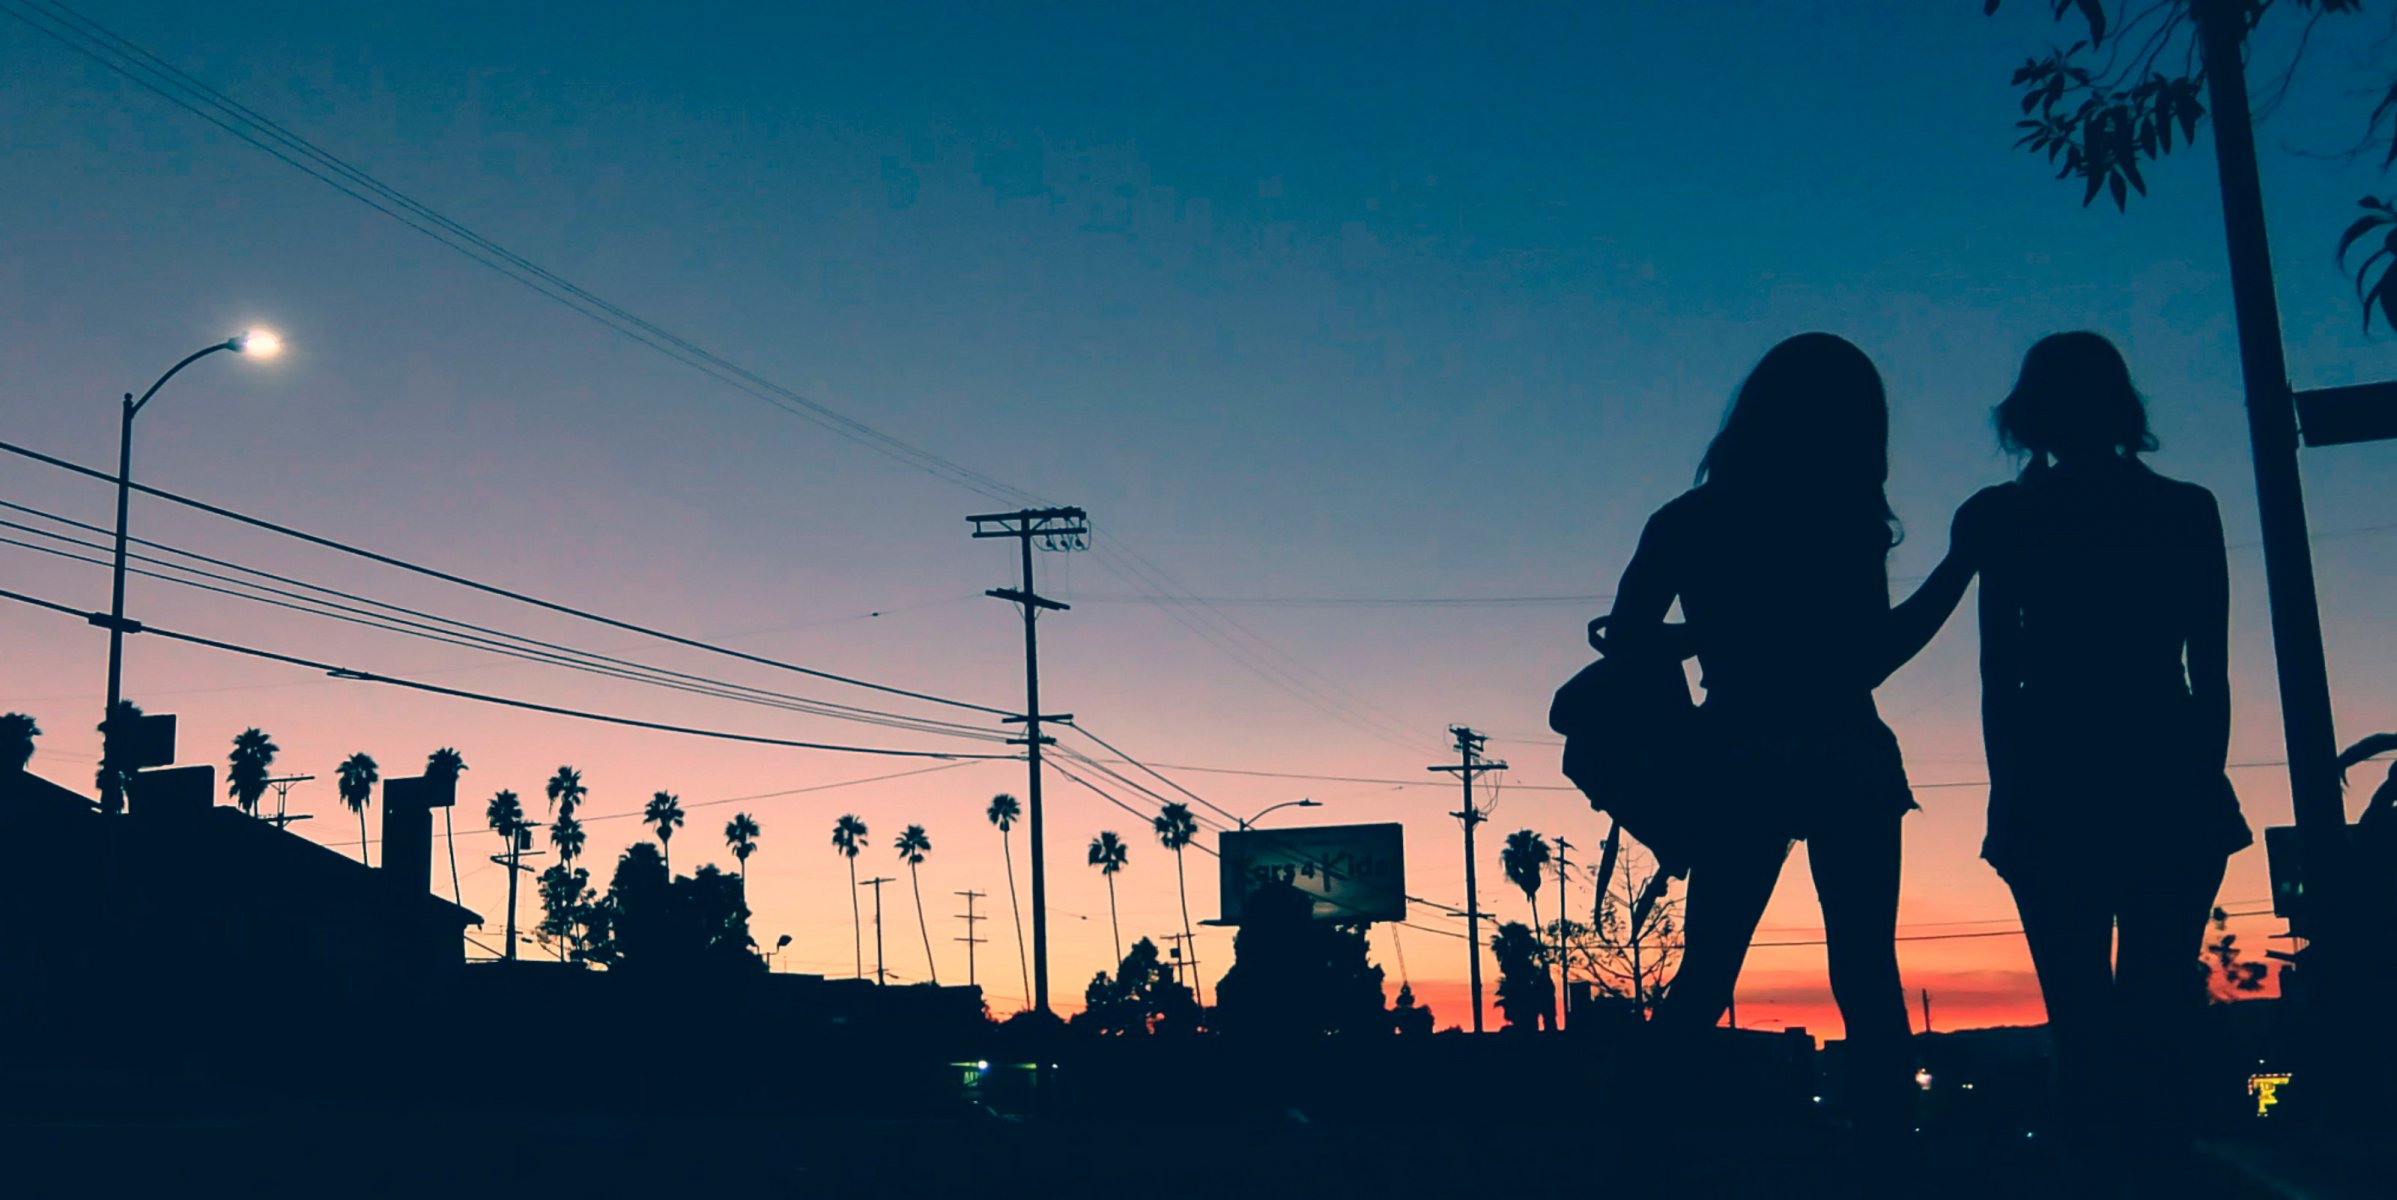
(1351, 872)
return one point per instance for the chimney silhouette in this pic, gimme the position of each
(408, 833)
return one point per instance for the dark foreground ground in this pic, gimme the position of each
(470, 1153)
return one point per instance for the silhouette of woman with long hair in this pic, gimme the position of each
(2105, 706)
(1779, 559)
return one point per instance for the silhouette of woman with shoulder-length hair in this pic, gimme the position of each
(2105, 703)
(1779, 559)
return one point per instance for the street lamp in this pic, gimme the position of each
(1284, 804)
(259, 343)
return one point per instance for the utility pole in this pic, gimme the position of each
(1058, 529)
(1926, 1010)
(1185, 956)
(520, 845)
(880, 979)
(2272, 435)
(969, 916)
(282, 785)
(1564, 967)
(2325, 920)
(1469, 766)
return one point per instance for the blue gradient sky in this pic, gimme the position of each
(1355, 301)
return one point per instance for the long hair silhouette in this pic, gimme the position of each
(1811, 425)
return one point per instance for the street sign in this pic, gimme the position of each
(1351, 872)
(2338, 416)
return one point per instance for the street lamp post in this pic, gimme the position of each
(257, 342)
(1244, 825)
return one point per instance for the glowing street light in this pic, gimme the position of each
(257, 343)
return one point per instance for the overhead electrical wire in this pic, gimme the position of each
(147, 70)
(532, 649)
(492, 589)
(484, 697)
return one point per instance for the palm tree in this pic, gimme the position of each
(849, 837)
(355, 780)
(505, 814)
(1002, 812)
(245, 770)
(1525, 854)
(566, 790)
(664, 812)
(740, 833)
(443, 766)
(17, 732)
(913, 845)
(1176, 826)
(566, 834)
(1109, 854)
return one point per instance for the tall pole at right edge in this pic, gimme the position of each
(2297, 648)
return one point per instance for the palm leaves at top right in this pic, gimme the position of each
(2379, 217)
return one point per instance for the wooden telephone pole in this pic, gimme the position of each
(1055, 529)
(1468, 767)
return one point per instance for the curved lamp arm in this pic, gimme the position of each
(134, 407)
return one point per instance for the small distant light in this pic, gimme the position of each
(982, 1065)
(259, 343)
(1922, 1079)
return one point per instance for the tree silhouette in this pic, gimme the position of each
(740, 834)
(1407, 1018)
(1526, 993)
(913, 845)
(1294, 976)
(443, 767)
(2228, 977)
(1525, 855)
(1109, 853)
(566, 833)
(17, 732)
(674, 931)
(246, 768)
(566, 899)
(664, 814)
(115, 776)
(505, 815)
(849, 837)
(1003, 812)
(1631, 946)
(1141, 997)
(2095, 109)
(1176, 827)
(565, 791)
(355, 781)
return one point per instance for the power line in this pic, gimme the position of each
(492, 589)
(613, 667)
(486, 698)
(148, 71)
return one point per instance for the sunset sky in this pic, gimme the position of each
(1380, 329)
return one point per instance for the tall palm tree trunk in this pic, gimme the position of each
(916, 884)
(362, 858)
(1189, 945)
(1113, 924)
(1023, 965)
(666, 853)
(857, 921)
